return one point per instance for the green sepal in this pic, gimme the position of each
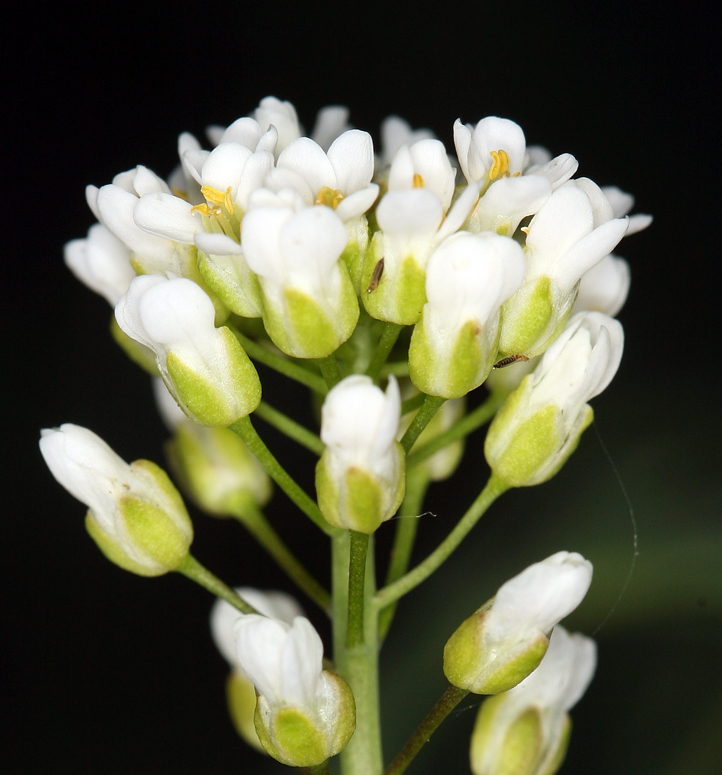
(241, 699)
(525, 318)
(400, 295)
(359, 501)
(555, 756)
(203, 400)
(522, 746)
(138, 353)
(113, 551)
(457, 372)
(468, 665)
(239, 291)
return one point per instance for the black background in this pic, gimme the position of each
(108, 672)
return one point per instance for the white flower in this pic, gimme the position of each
(277, 605)
(205, 368)
(621, 203)
(550, 404)
(506, 638)
(340, 178)
(468, 278)
(285, 664)
(136, 516)
(310, 307)
(604, 287)
(360, 476)
(424, 164)
(102, 262)
(543, 700)
(493, 148)
(562, 244)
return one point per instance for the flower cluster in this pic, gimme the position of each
(392, 281)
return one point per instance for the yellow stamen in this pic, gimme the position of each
(500, 166)
(202, 209)
(418, 180)
(525, 229)
(329, 197)
(219, 197)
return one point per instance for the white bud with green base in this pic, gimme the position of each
(562, 244)
(505, 640)
(360, 478)
(217, 470)
(136, 516)
(310, 307)
(540, 423)
(526, 730)
(240, 692)
(304, 714)
(454, 346)
(205, 368)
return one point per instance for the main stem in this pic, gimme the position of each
(357, 663)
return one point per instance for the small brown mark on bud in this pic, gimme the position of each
(376, 276)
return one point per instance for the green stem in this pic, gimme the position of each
(318, 769)
(193, 570)
(406, 525)
(277, 472)
(253, 519)
(386, 343)
(449, 700)
(482, 414)
(358, 665)
(397, 368)
(356, 587)
(330, 370)
(412, 403)
(290, 428)
(493, 489)
(280, 363)
(423, 418)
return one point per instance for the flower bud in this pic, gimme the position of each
(217, 469)
(563, 243)
(205, 368)
(240, 692)
(360, 477)
(526, 730)
(503, 641)
(540, 423)
(304, 714)
(309, 303)
(454, 345)
(136, 515)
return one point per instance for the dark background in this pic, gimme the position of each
(108, 672)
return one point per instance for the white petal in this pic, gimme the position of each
(308, 159)
(590, 250)
(167, 216)
(559, 170)
(91, 197)
(621, 201)
(224, 167)
(352, 158)
(462, 142)
(245, 131)
(217, 244)
(357, 203)
(638, 222)
(331, 121)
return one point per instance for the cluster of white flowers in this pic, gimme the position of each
(492, 257)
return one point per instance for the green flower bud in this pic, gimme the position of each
(360, 478)
(540, 424)
(217, 469)
(526, 730)
(136, 516)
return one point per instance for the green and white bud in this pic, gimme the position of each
(526, 730)
(205, 368)
(309, 303)
(540, 423)
(504, 641)
(562, 244)
(360, 478)
(240, 692)
(136, 516)
(455, 344)
(304, 714)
